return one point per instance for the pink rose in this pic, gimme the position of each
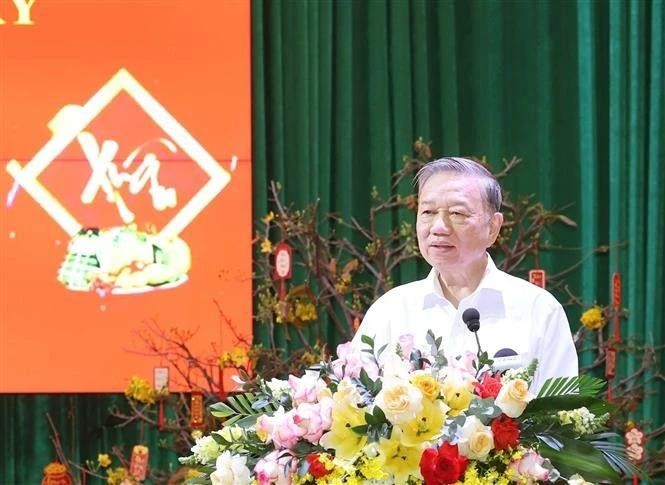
(530, 468)
(350, 360)
(280, 428)
(306, 388)
(312, 420)
(275, 468)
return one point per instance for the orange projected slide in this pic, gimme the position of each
(125, 176)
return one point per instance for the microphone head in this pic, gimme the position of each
(471, 318)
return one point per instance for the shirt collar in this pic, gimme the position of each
(489, 280)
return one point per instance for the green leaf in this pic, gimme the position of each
(582, 385)
(221, 410)
(581, 457)
(554, 404)
(366, 339)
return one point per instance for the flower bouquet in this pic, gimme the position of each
(414, 418)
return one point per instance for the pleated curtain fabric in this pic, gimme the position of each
(342, 88)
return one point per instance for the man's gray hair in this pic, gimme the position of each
(464, 166)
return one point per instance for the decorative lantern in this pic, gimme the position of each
(56, 474)
(138, 467)
(196, 410)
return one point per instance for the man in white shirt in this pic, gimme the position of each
(459, 204)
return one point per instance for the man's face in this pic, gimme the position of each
(454, 226)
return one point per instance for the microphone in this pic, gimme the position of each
(471, 318)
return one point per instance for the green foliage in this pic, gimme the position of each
(241, 410)
(584, 385)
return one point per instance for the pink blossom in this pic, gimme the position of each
(406, 344)
(350, 360)
(275, 468)
(280, 428)
(306, 388)
(530, 467)
(312, 420)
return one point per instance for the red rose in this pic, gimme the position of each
(442, 465)
(506, 432)
(316, 468)
(489, 386)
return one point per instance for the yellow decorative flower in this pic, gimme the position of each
(140, 390)
(372, 469)
(341, 437)
(103, 460)
(305, 312)
(458, 397)
(266, 246)
(117, 476)
(593, 318)
(427, 424)
(427, 384)
(400, 460)
(236, 358)
(269, 217)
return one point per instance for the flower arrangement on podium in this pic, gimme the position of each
(411, 416)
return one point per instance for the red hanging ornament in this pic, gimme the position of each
(283, 266)
(161, 386)
(196, 410)
(538, 277)
(138, 466)
(56, 474)
(616, 304)
(634, 440)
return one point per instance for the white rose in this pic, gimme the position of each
(475, 439)
(400, 400)
(513, 398)
(231, 470)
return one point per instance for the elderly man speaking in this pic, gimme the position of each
(459, 217)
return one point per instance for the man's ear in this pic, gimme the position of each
(495, 226)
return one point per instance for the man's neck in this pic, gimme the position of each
(457, 285)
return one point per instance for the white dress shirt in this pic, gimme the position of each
(514, 314)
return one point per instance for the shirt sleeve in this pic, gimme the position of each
(556, 353)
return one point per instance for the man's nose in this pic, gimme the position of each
(441, 223)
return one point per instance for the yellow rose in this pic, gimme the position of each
(593, 318)
(513, 398)
(427, 384)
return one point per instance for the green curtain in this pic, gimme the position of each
(574, 88)
(340, 91)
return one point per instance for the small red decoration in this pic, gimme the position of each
(196, 410)
(634, 439)
(616, 291)
(56, 474)
(283, 266)
(161, 385)
(611, 363)
(138, 467)
(538, 277)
